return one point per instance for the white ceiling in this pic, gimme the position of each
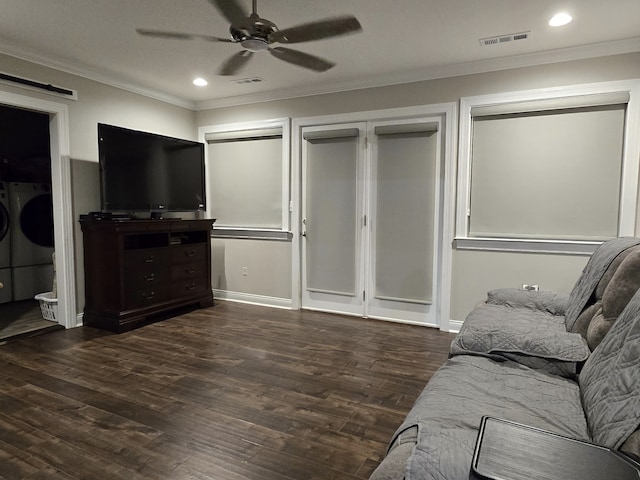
(402, 40)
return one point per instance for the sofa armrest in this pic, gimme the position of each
(394, 465)
(553, 303)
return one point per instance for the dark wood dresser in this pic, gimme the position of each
(138, 270)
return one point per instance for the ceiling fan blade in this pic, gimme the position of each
(331, 27)
(231, 10)
(302, 59)
(180, 35)
(235, 62)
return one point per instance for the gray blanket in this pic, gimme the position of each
(449, 410)
(592, 273)
(610, 380)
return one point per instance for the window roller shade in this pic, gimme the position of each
(578, 101)
(422, 127)
(327, 134)
(553, 174)
(239, 135)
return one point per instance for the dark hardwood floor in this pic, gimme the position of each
(23, 319)
(230, 392)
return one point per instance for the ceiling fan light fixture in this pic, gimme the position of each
(255, 44)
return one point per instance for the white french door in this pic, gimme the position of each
(404, 193)
(370, 203)
(333, 235)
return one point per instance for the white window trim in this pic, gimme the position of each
(630, 167)
(282, 123)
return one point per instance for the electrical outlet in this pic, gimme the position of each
(245, 272)
(532, 288)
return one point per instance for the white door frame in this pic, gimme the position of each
(448, 112)
(61, 195)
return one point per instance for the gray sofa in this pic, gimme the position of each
(569, 364)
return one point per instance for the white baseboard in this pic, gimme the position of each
(79, 319)
(455, 326)
(252, 299)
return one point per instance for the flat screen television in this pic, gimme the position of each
(145, 172)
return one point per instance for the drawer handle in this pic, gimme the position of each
(149, 259)
(150, 278)
(189, 253)
(189, 270)
(191, 287)
(148, 296)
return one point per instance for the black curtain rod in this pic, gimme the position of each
(32, 83)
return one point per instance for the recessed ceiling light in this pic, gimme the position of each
(200, 82)
(560, 19)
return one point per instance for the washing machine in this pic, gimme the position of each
(31, 234)
(5, 237)
(5, 246)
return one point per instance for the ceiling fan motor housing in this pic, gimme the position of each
(255, 36)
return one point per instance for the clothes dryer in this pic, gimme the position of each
(29, 281)
(31, 227)
(6, 288)
(31, 224)
(5, 237)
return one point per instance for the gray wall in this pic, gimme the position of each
(97, 103)
(473, 273)
(268, 262)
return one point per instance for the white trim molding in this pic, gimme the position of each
(455, 326)
(62, 201)
(252, 299)
(564, 247)
(546, 57)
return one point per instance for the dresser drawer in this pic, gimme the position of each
(147, 296)
(144, 258)
(147, 276)
(188, 286)
(185, 271)
(189, 253)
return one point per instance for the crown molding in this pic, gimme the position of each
(618, 47)
(89, 74)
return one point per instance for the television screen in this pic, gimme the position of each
(142, 171)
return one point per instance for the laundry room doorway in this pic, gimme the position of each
(34, 179)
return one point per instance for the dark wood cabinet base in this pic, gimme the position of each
(141, 271)
(119, 322)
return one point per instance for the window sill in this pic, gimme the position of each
(277, 235)
(566, 247)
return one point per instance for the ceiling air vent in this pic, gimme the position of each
(246, 81)
(511, 37)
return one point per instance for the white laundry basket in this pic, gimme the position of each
(48, 305)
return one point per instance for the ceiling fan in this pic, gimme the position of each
(257, 34)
